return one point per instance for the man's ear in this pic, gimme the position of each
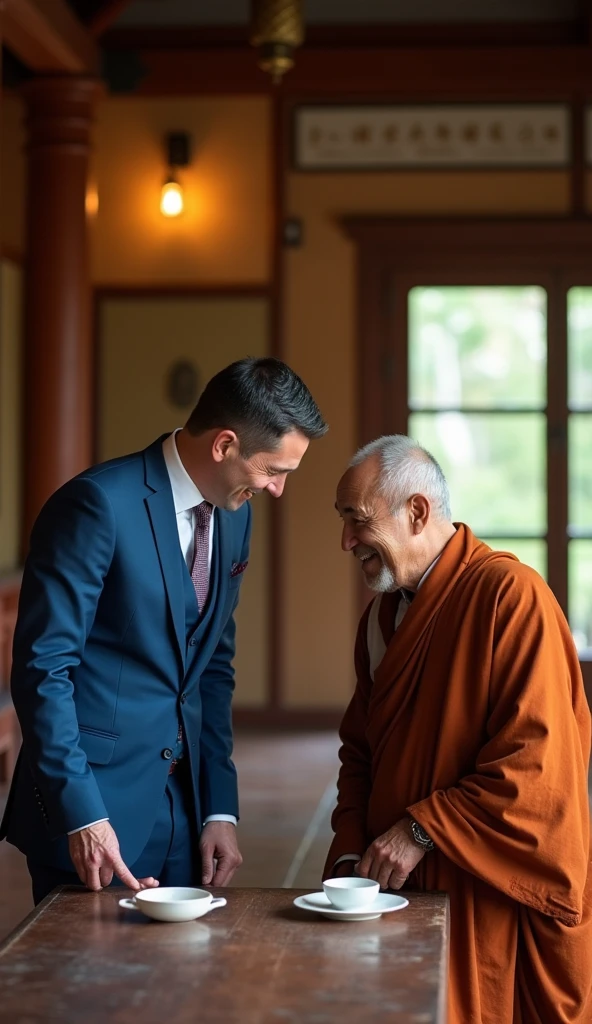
(225, 445)
(419, 512)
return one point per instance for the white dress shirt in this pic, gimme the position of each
(185, 497)
(402, 609)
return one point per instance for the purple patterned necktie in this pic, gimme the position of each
(200, 572)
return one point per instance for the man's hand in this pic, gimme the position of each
(96, 857)
(391, 858)
(220, 855)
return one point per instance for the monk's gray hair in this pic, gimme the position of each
(406, 469)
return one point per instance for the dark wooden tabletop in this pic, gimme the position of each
(78, 957)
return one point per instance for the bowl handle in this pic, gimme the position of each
(220, 902)
(129, 904)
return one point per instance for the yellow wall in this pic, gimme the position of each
(12, 174)
(319, 594)
(223, 235)
(10, 414)
(139, 339)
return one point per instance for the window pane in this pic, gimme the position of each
(474, 347)
(580, 471)
(495, 467)
(580, 592)
(531, 552)
(579, 319)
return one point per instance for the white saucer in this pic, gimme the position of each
(318, 903)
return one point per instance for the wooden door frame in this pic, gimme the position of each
(557, 251)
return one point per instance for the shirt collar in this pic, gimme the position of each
(408, 595)
(185, 493)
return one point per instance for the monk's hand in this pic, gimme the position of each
(391, 858)
(220, 856)
(94, 851)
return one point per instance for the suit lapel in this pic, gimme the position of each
(161, 510)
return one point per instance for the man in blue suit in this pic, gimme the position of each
(122, 677)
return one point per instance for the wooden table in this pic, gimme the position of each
(258, 960)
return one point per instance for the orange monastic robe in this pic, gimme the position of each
(476, 723)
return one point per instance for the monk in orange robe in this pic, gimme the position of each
(465, 746)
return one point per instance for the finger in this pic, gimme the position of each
(93, 880)
(224, 871)
(106, 875)
(397, 880)
(366, 863)
(124, 874)
(208, 867)
(148, 883)
(384, 875)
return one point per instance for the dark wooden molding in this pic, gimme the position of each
(329, 36)
(190, 291)
(394, 73)
(423, 240)
(106, 14)
(12, 254)
(287, 719)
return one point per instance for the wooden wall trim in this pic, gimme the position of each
(12, 254)
(533, 239)
(358, 36)
(190, 291)
(395, 74)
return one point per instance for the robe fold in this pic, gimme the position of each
(475, 722)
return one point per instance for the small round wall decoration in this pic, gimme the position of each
(182, 383)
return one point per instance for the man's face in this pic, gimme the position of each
(238, 479)
(382, 542)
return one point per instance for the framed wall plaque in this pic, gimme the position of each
(388, 137)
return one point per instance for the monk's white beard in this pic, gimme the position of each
(383, 582)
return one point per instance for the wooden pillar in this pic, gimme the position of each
(58, 357)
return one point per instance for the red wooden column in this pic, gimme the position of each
(58, 370)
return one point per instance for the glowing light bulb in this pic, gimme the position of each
(171, 199)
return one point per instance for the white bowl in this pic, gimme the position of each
(173, 903)
(351, 893)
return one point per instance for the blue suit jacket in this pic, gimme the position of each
(101, 671)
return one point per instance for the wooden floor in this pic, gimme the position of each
(287, 790)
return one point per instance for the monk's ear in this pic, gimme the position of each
(419, 512)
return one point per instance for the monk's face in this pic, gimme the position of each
(385, 545)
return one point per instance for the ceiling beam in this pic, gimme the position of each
(47, 37)
(105, 16)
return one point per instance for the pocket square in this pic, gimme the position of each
(237, 568)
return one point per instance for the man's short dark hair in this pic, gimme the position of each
(261, 400)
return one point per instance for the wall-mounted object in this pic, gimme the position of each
(469, 136)
(293, 232)
(177, 155)
(182, 384)
(277, 28)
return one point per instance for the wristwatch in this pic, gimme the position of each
(420, 836)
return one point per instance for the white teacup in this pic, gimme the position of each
(351, 893)
(173, 903)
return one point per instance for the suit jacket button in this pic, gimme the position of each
(183, 698)
(167, 753)
(193, 642)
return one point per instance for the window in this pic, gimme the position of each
(476, 338)
(477, 395)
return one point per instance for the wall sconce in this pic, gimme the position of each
(177, 154)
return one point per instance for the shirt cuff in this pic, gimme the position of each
(347, 856)
(221, 817)
(90, 824)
